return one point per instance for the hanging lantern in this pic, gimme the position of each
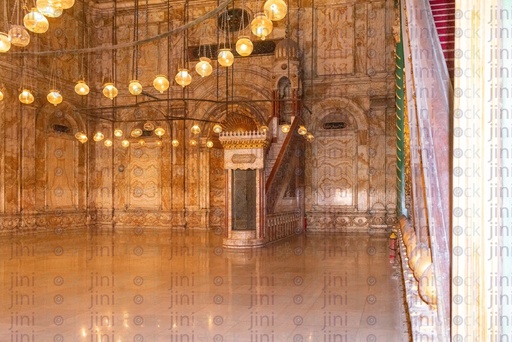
(261, 26)
(285, 128)
(19, 36)
(217, 128)
(204, 67)
(81, 88)
(209, 144)
(82, 137)
(159, 143)
(175, 143)
(244, 46)
(54, 97)
(263, 129)
(183, 78)
(135, 88)
(35, 21)
(26, 97)
(142, 142)
(302, 130)
(50, 8)
(161, 83)
(5, 42)
(275, 9)
(148, 126)
(159, 132)
(225, 57)
(98, 136)
(136, 132)
(195, 129)
(67, 4)
(118, 133)
(125, 143)
(193, 142)
(1, 95)
(109, 90)
(310, 137)
(107, 142)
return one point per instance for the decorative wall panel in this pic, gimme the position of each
(61, 180)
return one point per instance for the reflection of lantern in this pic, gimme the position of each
(109, 90)
(54, 97)
(35, 21)
(285, 128)
(217, 128)
(81, 88)
(159, 131)
(175, 143)
(19, 36)
(183, 78)
(108, 142)
(204, 67)
(225, 57)
(118, 133)
(261, 26)
(161, 83)
(135, 88)
(195, 129)
(244, 46)
(98, 136)
(26, 97)
(275, 9)
(5, 42)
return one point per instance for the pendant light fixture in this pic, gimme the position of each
(244, 46)
(35, 21)
(135, 88)
(81, 88)
(54, 97)
(109, 90)
(275, 9)
(26, 97)
(204, 67)
(183, 78)
(226, 57)
(19, 36)
(5, 42)
(1, 95)
(261, 26)
(50, 8)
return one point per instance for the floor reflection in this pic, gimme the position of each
(153, 285)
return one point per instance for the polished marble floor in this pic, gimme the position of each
(153, 285)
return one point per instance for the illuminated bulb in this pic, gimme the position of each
(148, 126)
(302, 130)
(67, 4)
(261, 26)
(195, 129)
(285, 128)
(5, 42)
(82, 137)
(136, 132)
(142, 142)
(209, 144)
(98, 136)
(50, 8)
(161, 83)
(275, 9)
(118, 133)
(204, 67)
(19, 36)
(26, 97)
(54, 97)
(183, 78)
(264, 129)
(1, 95)
(310, 137)
(81, 88)
(244, 46)
(35, 21)
(217, 128)
(159, 142)
(107, 143)
(159, 131)
(125, 143)
(175, 143)
(193, 142)
(109, 90)
(135, 88)
(225, 57)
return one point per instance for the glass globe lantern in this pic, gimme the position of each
(1, 95)
(275, 9)
(135, 88)
(98, 136)
(175, 143)
(302, 130)
(209, 144)
(136, 132)
(204, 67)
(159, 132)
(217, 128)
(195, 129)
(5, 42)
(67, 4)
(54, 97)
(261, 26)
(125, 143)
(26, 96)
(148, 126)
(81, 136)
(285, 128)
(109, 90)
(35, 21)
(50, 8)
(193, 142)
(81, 88)
(107, 143)
(183, 78)
(19, 36)
(225, 57)
(263, 129)
(244, 46)
(310, 137)
(161, 83)
(118, 133)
